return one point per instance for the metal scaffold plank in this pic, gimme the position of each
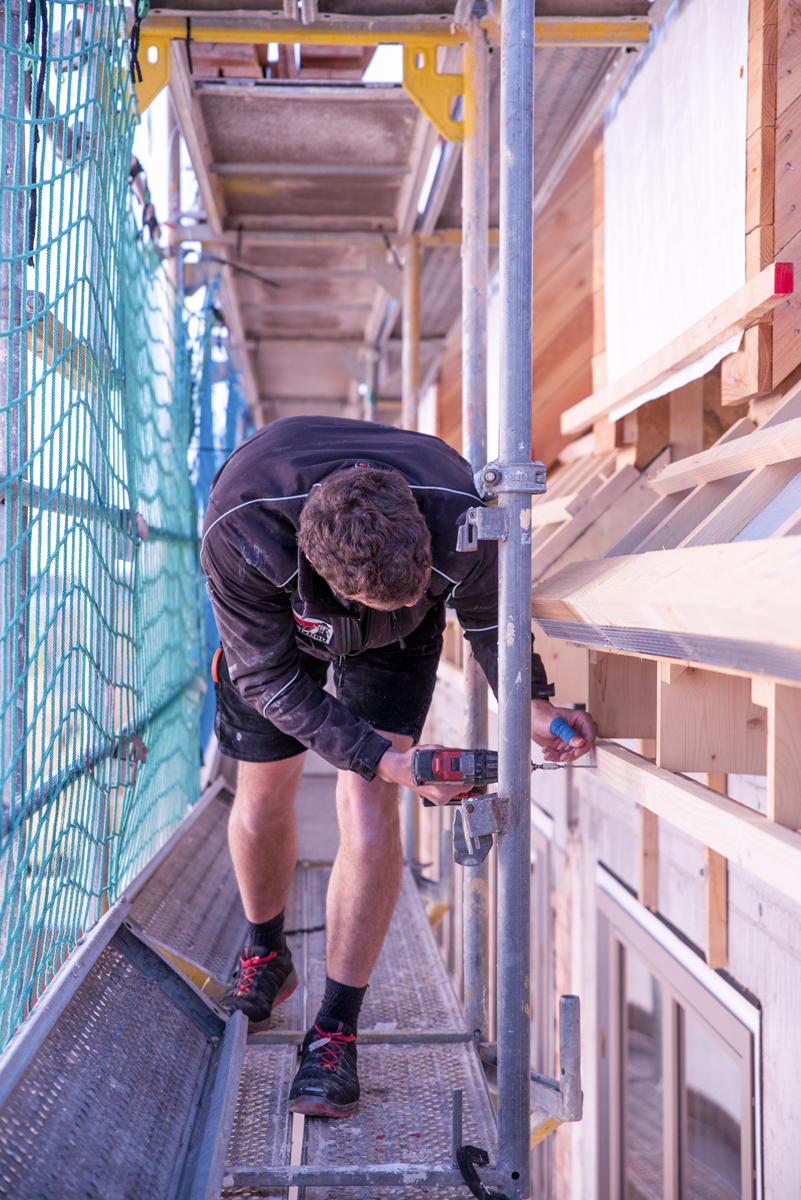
(405, 1110)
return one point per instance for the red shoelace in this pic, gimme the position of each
(336, 1043)
(247, 974)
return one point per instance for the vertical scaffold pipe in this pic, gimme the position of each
(475, 254)
(514, 595)
(410, 364)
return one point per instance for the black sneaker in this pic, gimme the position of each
(260, 984)
(326, 1084)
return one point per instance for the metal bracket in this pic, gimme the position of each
(155, 75)
(490, 525)
(485, 814)
(553, 1101)
(467, 851)
(432, 92)
(473, 826)
(527, 478)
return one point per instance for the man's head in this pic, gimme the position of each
(363, 532)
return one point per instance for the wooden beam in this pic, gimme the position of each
(757, 297)
(743, 591)
(716, 908)
(545, 555)
(748, 373)
(743, 504)
(749, 840)
(193, 131)
(621, 695)
(783, 705)
(707, 722)
(648, 853)
(775, 444)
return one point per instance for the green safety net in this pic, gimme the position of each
(101, 641)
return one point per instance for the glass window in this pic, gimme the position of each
(643, 1083)
(713, 1102)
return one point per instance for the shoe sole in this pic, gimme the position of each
(290, 984)
(319, 1108)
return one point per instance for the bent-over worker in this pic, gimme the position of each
(334, 541)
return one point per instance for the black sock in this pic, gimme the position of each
(341, 1003)
(267, 937)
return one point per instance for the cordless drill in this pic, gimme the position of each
(475, 768)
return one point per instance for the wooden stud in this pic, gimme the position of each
(648, 834)
(716, 892)
(783, 706)
(716, 908)
(686, 418)
(598, 305)
(608, 435)
(748, 373)
(707, 722)
(788, 49)
(621, 695)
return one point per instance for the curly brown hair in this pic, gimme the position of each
(362, 531)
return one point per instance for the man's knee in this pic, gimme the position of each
(265, 792)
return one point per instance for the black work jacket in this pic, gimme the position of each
(269, 601)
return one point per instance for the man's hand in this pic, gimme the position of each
(396, 767)
(553, 748)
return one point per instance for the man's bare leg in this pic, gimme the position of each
(366, 877)
(262, 834)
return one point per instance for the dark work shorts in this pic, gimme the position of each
(391, 688)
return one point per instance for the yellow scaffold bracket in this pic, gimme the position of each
(432, 92)
(154, 60)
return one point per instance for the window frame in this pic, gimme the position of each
(688, 985)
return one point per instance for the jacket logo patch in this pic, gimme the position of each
(317, 630)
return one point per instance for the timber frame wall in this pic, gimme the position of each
(682, 640)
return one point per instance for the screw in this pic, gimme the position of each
(471, 808)
(491, 475)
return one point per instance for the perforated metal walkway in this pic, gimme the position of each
(127, 1082)
(413, 1045)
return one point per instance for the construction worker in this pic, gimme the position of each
(330, 541)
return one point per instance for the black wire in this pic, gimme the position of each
(33, 201)
(188, 40)
(242, 270)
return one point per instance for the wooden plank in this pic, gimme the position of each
(784, 752)
(762, 44)
(788, 174)
(787, 323)
(648, 854)
(716, 908)
(546, 555)
(679, 523)
(193, 131)
(760, 295)
(748, 373)
(707, 722)
(743, 591)
(788, 75)
(775, 444)
(638, 534)
(566, 667)
(743, 504)
(621, 695)
(599, 379)
(747, 838)
(760, 178)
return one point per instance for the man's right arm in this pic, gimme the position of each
(254, 619)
